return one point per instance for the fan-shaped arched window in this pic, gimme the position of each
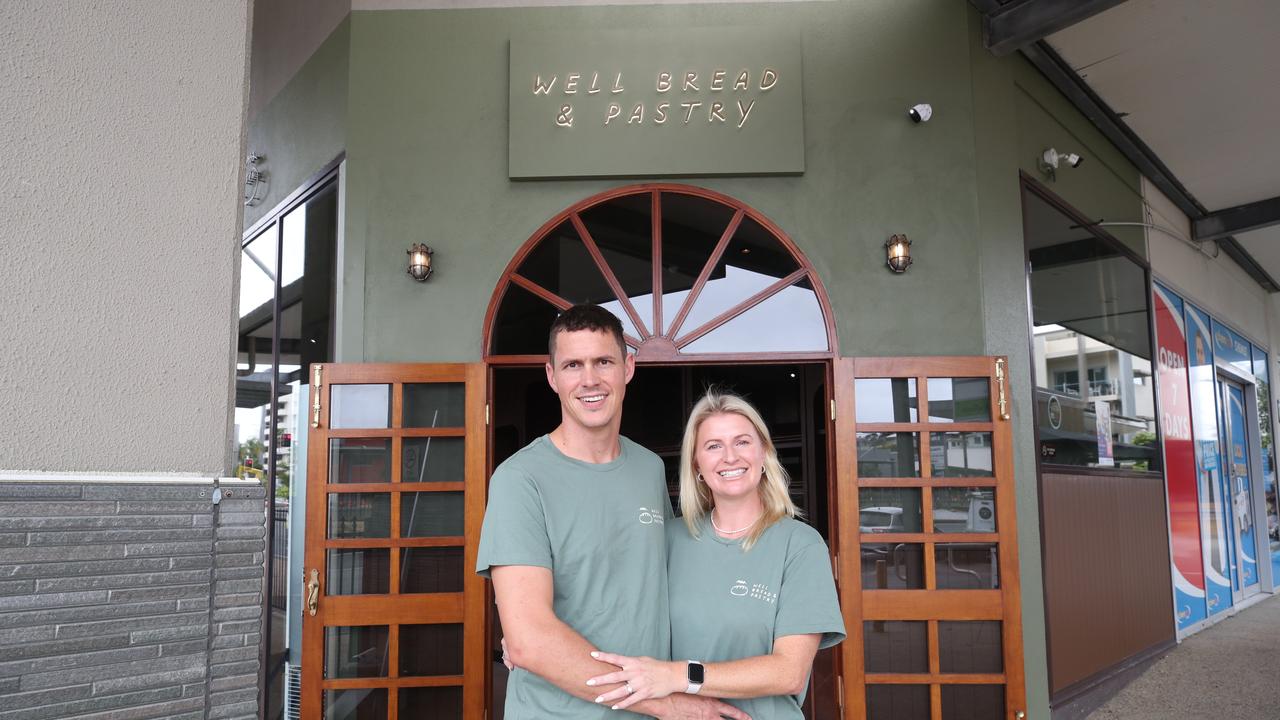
(690, 273)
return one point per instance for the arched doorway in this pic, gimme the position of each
(709, 292)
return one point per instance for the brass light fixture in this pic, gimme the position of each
(897, 251)
(420, 262)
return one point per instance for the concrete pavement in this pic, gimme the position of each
(1230, 670)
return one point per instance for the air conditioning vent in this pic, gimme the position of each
(293, 692)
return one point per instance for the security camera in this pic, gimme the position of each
(920, 113)
(1051, 159)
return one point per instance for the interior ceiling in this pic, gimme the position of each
(1195, 80)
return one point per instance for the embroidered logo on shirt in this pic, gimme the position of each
(651, 516)
(759, 591)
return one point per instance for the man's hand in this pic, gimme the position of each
(691, 707)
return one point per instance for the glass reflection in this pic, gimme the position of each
(966, 566)
(520, 325)
(892, 566)
(960, 454)
(360, 460)
(359, 515)
(359, 406)
(898, 702)
(431, 569)
(431, 514)
(434, 459)
(964, 510)
(438, 703)
(792, 317)
(959, 400)
(361, 571)
(434, 405)
(889, 510)
(972, 702)
(430, 650)
(355, 704)
(882, 400)
(1095, 401)
(889, 454)
(895, 646)
(355, 652)
(970, 647)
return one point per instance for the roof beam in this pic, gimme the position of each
(1241, 218)
(1057, 71)
(1017, 25)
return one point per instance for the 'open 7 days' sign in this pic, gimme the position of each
(719, 101)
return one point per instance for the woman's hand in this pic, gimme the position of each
(642, 677)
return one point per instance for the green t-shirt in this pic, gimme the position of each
(729, 605)
(599, 529)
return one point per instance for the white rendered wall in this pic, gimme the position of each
(1217, 285)
(121, 129)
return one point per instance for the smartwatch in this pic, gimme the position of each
(697, 675)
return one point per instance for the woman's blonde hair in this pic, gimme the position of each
(695, 497)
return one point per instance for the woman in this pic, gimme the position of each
(751, 590)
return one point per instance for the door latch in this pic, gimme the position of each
(313, 592)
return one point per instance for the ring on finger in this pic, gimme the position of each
(630, 689)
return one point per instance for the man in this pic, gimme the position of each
(573, 539)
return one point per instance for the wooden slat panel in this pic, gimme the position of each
(1010, 573)
(1106, 568)
(927, 482)
(351, 543)
(395, 487)
(475, 590)
(365, 373)
(429, 681)
(932, 605)
(931, 366)
(358, 433)
(852, 660)
(350, 610)
(929, 537)
(943, 678)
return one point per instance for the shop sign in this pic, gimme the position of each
(1202, 382)
(716, 101)
(1179, 459)
(1102, 418)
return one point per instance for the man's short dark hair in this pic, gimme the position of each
(586, 317)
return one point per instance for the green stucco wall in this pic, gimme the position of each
(424, 126)
(427, 162)
(303, 128)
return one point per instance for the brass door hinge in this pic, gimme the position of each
(1001, 380)
(486, 414)
(833, 411)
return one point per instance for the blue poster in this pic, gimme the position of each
(1230, 347)
(1204, 427)
(1239, 487)
(1262, 377)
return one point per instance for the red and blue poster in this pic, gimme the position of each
(1179, 459)
(1204, 427)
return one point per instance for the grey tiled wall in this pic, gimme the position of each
(127, 602)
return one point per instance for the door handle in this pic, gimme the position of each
(313, 592)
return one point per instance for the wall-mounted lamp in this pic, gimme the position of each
(1050, 159)
(897, 250)
(420, 262)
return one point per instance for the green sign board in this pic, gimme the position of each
(713, 101)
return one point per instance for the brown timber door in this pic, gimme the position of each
(927, 550)
(393, 616)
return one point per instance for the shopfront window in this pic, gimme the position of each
(285, 311)
(1095, 400)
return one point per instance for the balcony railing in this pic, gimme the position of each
(1097, 388)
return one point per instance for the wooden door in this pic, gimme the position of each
(927, 549)
(393, 614)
